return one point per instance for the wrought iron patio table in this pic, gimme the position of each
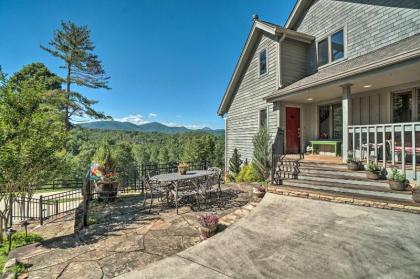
(175, 179)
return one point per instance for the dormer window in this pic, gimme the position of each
(263, 62)
(331, 48)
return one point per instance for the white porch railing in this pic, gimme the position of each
(392, 144)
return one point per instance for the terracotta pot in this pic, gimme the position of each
(353, 166)
(397, 185)
(258, 194)
(416, 196)
(107, 191)
(208, 231)
(373, 175)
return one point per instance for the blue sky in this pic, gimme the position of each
(169, 60)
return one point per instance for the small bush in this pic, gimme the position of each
(248, 174)
(397, 176)
(373, 167)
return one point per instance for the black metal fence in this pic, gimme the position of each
(284, 168)
(44, 207)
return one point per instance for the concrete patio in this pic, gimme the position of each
(288, 237)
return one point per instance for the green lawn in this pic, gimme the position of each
(19, 239)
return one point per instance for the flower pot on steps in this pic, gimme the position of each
(397, 185)
(416, 196)
(373, 175)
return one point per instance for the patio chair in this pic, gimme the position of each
(215, 179)
(153, 189)
(187, 189)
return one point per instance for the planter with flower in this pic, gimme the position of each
(183, 168)
(208, 225)
(103, 174)
(397, 181)
(373, 171)
(354, 164)
(415, 190)
(259, 191)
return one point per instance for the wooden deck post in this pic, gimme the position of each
(346, 99)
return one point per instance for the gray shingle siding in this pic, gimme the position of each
(294, 61)
(371, 24)
(243, 112)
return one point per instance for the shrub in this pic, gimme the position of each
(248, 173)
(235, 163)
(397, 176)
(262, 154)
(373, 167)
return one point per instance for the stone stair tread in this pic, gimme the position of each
(350, 195)
(340, 176)
(379, 195)
(384, 188)
(333, 172)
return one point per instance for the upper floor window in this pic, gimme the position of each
(263, 118)
(323, 52)
(337, 45)
(263, 61)
(331, 48)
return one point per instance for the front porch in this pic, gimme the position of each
(372, 118)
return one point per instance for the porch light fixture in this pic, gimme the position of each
(309, 99)
(367, 86)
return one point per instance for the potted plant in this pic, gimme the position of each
(258, 191)
(183, 168)
(208, 224)
(103, 174)
(353, 164)
(373, 171)
(415, 190)
(397, 181)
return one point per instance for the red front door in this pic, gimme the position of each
(292, 130)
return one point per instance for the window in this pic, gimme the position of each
(323, 52)
(331, 121)
(331, 48)
(263, 62)
(337, 45)
(263, 118)
(402, 106)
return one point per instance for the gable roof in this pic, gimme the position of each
(301, 6)
(397, 52)
(257, 27)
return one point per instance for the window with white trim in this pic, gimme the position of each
(263, 118)
(263, 62)
(331, 48)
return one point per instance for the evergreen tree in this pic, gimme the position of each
(35, 74)
(261, 156)
(235, 163)
(73, 45)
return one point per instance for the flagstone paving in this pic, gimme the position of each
(124, 237)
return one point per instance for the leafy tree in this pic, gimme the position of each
(235, 163)
(73, 45)
(35, 74)
(261, 155)
(32, 137)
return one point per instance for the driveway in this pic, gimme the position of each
(287, 237)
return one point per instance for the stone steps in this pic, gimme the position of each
(334, 179)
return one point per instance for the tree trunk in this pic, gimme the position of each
(68, 82)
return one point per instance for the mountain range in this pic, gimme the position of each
(147, 127)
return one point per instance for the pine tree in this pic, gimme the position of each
(73, 45)
(235, 163)
(262, 151)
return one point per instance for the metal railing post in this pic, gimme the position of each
(41, 221)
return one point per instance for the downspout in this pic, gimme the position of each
(279, 62)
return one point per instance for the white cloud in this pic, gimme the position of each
(195, 126)
(137, 119)
(151, 115)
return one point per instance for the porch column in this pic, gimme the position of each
(346, 103)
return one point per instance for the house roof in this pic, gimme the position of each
(400, 51)
(257, 27)
(298, 10)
